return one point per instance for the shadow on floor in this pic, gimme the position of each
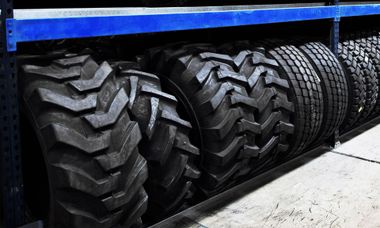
(188, 217)
(359, 130)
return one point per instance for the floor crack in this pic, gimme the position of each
(357, 157)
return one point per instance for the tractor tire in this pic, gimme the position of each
(223, 108)
(334, 87)
(370, 78)
(271, 92)
(165, 143)
(368, 41)
(305, 93)
(79, 113)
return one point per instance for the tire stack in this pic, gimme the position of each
(104, 127)
(291, 97)
(359, 55)
(128, 143)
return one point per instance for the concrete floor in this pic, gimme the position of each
(323, 188)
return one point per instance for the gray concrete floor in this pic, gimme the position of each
(323, 188)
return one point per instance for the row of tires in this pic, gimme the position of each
(127, 143)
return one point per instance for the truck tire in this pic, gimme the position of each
(374, 39)
(370, 78)
(165, 143)
(271, 92)
(223, 108)
(79, 113)
(334, 87)
(305, 93)
(356, 88)
(368, 41)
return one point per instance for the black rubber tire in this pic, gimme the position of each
(369, 42)
(270, 91)
(79, 112)
(165, 145)
(374, 38)
(356, 88)
(334, 87)
(370, 78)
(223, 108)
(305, 93)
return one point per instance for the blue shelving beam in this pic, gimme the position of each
(24, 29)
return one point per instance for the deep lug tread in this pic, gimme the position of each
(104, 71)
(165, 143)
(110, 117)
(84, 161)
(74, 105)
(270, 91)
(217, 93)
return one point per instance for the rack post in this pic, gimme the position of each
(334, 35)
(334, 31)
(334, 140)
(10, 152)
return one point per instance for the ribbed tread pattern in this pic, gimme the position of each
(305, 93)
(271, 93)
(165, 145)
(334, 86)
(90, 144)
(370, 78)
(223, 107)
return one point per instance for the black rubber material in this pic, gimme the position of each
(334, 87)
(374, 39)
(223, 107)
(356, 88)
(79, 112)
(369, 42)
(165, 145)
(305, 93)
(271, 93)
(370, 78)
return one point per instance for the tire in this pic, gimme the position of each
(334, 87)
(368, 41)
(79, 113)
(370, 78)
(305, 93)
(271, 92)
(356, 88)
(165, 144)
(223, 108)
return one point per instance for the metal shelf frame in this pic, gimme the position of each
(37, 25)
(23, 25)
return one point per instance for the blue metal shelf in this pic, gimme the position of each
(40, 25)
